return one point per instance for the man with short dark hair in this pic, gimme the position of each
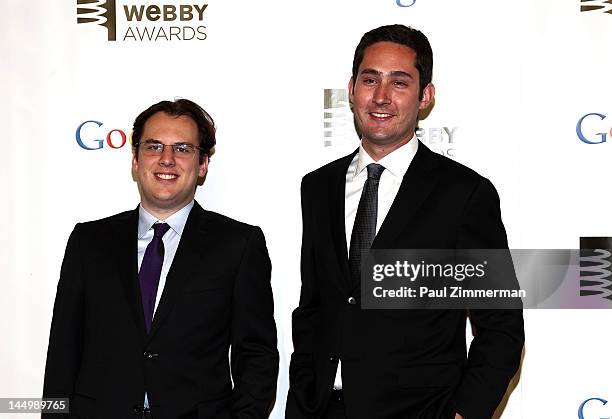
(150, 301)
(394, 193)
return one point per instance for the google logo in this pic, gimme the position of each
(115, 138)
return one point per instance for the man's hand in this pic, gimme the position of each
(458, 416)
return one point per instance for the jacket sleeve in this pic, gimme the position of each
(254, 355)
(66, 336)
(301, 369)
(495, 352)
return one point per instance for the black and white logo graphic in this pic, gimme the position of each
(138, 22)
(603, 6)
(595, 263)
(102, 13)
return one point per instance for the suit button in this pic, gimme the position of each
(333, 358)
(352, 301)
(137, 408)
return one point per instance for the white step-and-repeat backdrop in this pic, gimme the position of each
(523, 94)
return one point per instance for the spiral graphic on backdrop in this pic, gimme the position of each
(603, 6)
(101, 12)
(596, 267)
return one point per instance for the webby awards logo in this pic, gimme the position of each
(101, 13)
(595, 267)
(601, 6)
(145, 22)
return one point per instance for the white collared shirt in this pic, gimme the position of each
(171, 239)
(396, 165)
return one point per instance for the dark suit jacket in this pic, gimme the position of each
(399, 363)
(217, 294)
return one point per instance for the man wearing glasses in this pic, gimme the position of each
(150, 301)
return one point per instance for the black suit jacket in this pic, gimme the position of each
(217, 295)
(399, 363)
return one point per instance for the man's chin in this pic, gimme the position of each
(385, 140)
(165, 203)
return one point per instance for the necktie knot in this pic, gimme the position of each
(160, 229)
(375, 171)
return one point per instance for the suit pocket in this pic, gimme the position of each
(82, 407)
(429, 376)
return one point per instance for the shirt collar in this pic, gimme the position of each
(396, 162)
(176, 221)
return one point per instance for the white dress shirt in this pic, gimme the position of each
(171, 241)
(396, 164)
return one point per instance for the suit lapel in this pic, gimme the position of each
(337, 217)
(125, 231)
(189, 252)
(416, 186)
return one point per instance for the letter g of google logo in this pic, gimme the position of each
(114, 138)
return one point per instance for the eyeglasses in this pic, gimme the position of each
(153, 148)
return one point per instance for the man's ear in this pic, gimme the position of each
(351, 86)
(203, 167)
(134, 158)
(428, 95)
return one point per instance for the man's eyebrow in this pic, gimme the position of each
(400, 73)
(371, 71)
(395, 73)
(154, 141)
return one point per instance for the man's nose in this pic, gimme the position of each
(382, 94)
(167, 156)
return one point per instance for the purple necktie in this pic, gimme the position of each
(150, 270)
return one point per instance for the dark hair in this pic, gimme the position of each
(180, 107)
(403, 35)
